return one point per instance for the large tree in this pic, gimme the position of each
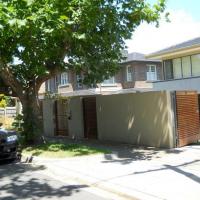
(40, 38)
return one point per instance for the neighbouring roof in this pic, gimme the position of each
(96, 91)
(137, 57)
(178, 47)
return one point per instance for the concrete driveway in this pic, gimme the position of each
(135, 173)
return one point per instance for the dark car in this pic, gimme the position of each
(8, 144)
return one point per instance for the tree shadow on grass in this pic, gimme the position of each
(71, 149)
(19, 182)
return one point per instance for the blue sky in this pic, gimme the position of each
(189, 6)
(184, 25)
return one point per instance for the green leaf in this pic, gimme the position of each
(48, 30)
(91, 34)
(12, 22)
(64, 17)
(21, 22)
(80, 36)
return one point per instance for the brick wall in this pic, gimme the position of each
(139, 77)
(139, 74)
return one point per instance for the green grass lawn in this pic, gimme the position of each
(60, 150)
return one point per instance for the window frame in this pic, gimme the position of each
(79, 80)
(181, 68)
(182, 77)
(64, 79)
(190, 67)
(191, 63)
(129, 75)
(149, 66)
(109, 84)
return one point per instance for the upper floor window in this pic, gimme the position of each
(177, 68)
(151, 73)
(195, 65)
(186, 66)
(168, 69)
(64, 79)
(129, 73)
(109, 81)
(79, 81)
(183, 67)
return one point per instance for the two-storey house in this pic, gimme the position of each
(139, 72)
(135, 72)
(181, 66)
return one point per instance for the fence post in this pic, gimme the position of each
(4, 115)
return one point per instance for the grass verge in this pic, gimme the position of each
(60, 150)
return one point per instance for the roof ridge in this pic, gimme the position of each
(181, 45)
(182, 42)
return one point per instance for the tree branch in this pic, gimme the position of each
(9, 79)
(53, 69)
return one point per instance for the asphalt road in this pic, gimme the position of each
(18, 182)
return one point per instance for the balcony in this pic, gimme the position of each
(192, 83)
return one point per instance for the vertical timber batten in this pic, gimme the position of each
(187, 116)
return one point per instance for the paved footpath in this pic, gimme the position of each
(135, 173)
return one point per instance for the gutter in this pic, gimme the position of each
(142, 60)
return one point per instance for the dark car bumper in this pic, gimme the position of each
(8, 151)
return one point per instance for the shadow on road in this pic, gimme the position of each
(19, 182)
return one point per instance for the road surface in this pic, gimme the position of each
(19, 182)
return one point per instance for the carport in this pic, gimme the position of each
(164, 119)
(155, 118)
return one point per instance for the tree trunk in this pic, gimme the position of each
(32, 117)
(28, 95)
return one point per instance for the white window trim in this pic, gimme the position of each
(109, 84)
(64, 76)
(149, 75)
(128, 74)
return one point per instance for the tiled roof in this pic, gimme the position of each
(137, 57)
(186, 44)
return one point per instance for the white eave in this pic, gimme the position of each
(194, 49)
